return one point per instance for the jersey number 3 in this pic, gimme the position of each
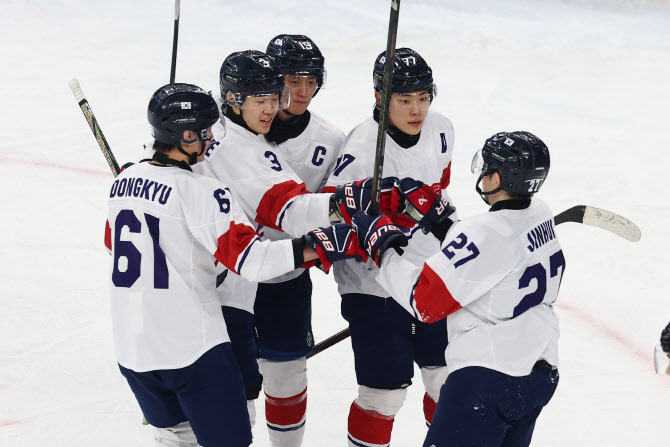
(125, 250)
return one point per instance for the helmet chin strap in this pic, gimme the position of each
(192, 158)
(481, 193)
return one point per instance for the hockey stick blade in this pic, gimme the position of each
(600, 218)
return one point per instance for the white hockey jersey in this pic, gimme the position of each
(312, 156)
(429, 161)
(263, 182)
(495, 279)
(166, 227)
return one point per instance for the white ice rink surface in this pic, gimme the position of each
(591, 78)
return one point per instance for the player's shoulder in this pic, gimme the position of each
(326, 128)
(438, 121)
(361, 135)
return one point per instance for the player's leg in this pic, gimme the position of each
(534, 392)
(161, 409)
(383, 354)
(240, 325)
(211, 394)
(283, 315)
(467, 410)
(430, 342)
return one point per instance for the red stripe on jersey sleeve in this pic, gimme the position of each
(232, 244)
(444, 181)
(274, 200)
(108, 236)
(328, 189)
(433, 299)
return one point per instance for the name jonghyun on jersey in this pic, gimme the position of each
(540, 235)
(141, 189)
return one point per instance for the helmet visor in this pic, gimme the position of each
(305, 79)
(411, 103)
(661, 361)
(478, 165)
(261, 102)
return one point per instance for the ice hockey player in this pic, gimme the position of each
(386, 340)
(494, 280)
(310, 146)
(166, 228)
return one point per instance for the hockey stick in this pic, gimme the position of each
(600, 218)
(381, 145)
(174, 41)
(583, 214)
(95, 128)
(384, 107)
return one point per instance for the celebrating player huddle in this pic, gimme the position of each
(212, 240)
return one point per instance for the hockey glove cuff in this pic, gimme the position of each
(376, 234)
(421, 203)
(356, 196)
(335, 243)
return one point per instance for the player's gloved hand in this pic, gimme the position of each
(356, 196)
(665, 339)
(335, 243)
(421, 203)
(376, 234)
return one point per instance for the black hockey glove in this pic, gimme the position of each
(335, 243)
(665, 339)
(376, 234)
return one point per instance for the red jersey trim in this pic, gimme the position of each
(433, 299)
(233, 243)
(444, 181)
(275, 200)
(108, 236)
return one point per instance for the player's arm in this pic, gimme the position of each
(450, 279)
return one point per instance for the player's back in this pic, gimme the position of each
(164, 309)
(507, 322)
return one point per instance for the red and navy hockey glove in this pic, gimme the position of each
(356, 196)
(421, 203)
(376, 234)
(335, 243)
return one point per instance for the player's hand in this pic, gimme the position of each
(376, 234)
(421, 203)
(356, 196)
(335, 243)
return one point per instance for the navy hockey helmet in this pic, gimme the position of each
(411, 73)
(521, 159)
(175, 108)
(297, 54)
(249, 73)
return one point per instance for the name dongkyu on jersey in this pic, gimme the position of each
(140, 188)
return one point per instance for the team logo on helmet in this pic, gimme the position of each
(279, 43)
(509, 142)
(186, 106)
